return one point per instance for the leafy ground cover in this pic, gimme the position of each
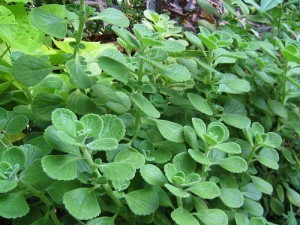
(180, 128)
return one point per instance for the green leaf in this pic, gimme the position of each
(170, 130)
(257, 221)
(57, 189)
(48, 22)
(206, 190)
(233, 164)
(208, 7)
(232, 197)
(183, 217)
(32, 153)
(102, 221)
(236, 120)
(266, 5)
(293, 196)
(200, 104)
(34, 175)
(131, 156)
(94, 123)
(153, 175)
(118, 171)
(103, 144)
(80, 103)
(145, 105)
(268, 162)
(6, 16)
(218, 131)
(13, 205)
(30, 70)
(212, 217)
(60, 167)
(199, 157)
(190, 137)
(113, 127)
(208, 41)
(262, 185)
(112, 16)
(177, 192)
(82, 203)
(277, 206)
(194, 40)
(241, 219)
(63, 120)
(77, 74)
(7, 185)
(16, 124)
(253, 207)
(234, 85)
(199, 126)
(44, 104)
(14, 156)
(229, 147)
(177, 72)
(142, 202)
(277, 108)
(184, 162)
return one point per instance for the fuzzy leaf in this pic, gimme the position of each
(212, 217)
(119, 171)
(82, 203)
(233, 164)
(145, 105)
(262, 185)
(77, 74)
(14, 156)
(232, 197)
(60, 167)
(177, 192)
(200, 104)
(177, 72)
(142, 202)
(63, 120)
(199, 157)
(293, 196)
(103, 144)
(113, 127)
(183, 217)
(7, 185)
(131, 156)
(199, 126)
(153, 175)
(170, 131)
(206, 190)
(235, 120)
(13, 205)
(16, 124)
(92, 122)
(229, 147)
(253, 207)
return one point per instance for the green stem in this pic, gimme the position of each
(209, 61)
(106, 187)
(284, 86)
(206, 152)
(179, 202)
(279, 20)
(253, 150)
(44, 199)
(82, 17)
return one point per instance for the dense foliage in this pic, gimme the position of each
(180, 128)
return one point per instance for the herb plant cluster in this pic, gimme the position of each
(182, 128)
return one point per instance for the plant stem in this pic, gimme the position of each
(106, 187)
(44, 199)
(179, 202)
(82, 17)
(206, 151)
(279, 20)
(209, 61)
(253, 150)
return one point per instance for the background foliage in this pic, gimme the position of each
(179, 127)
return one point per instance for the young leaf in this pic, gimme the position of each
(14, 155)
(60, 167)
(142, 202)
(77, 74)
(118, 171)
(113, 127)
(183, 217)
(199, 157)
(212, 217)
(206, 190)
(229, 147)
(233, 164)
(262, 185)
(153, 175)
(30, 70)
(199, 126)
(94, 123)
(218, 131)
(183, 162)
(82, 203)
(48, 22)
(131, 156)
(177, 192)
(112, 16)
(232, 197)
(13, 205)
(16, 124)
(145, 105)
(170, 131)
(103, 144)
(200, 104)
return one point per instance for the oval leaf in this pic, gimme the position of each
(145, 105)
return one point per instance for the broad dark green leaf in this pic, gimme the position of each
(14, 155)
(13, 205)
(200, 104)
(77, 74)
(82, 203)
(145, 105)
(7, 185)
(143, 201)
(16, 124)
(30, 70)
